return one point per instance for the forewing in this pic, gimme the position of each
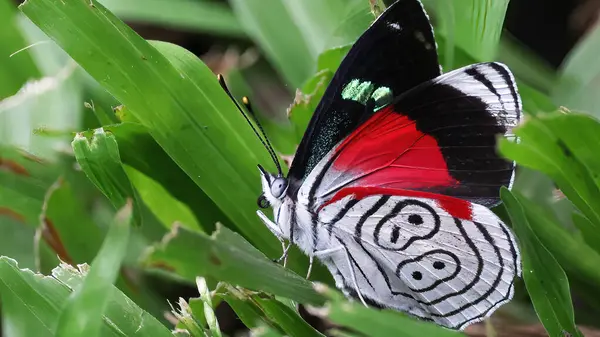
(410, 254)
(439, 137)
(397, 53)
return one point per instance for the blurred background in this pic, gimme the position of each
(266, 53)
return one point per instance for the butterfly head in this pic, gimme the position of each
(274, 189)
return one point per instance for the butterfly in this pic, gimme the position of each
(391, 185)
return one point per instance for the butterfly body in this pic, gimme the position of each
(391, 183)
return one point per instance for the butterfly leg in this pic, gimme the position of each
(285, 253)
(277, 232)
(326, 252)
(310, 264)
(270, 225)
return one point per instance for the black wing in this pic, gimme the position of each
(396, 53)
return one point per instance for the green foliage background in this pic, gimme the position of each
(151, 185)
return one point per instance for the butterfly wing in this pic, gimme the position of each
(399, 42)
(439, 137)
(410, 254)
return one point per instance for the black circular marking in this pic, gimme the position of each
(417, 275)
(439, 265)
(449, 254)
(263, 202)
(395, 212)
(415, 219)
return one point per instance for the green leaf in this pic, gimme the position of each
(577, 85)
(308, 97)
(289, 320)
(204, 16)
(16, 241)
(316, 20)
(67, 227)
(209, 313)
(51, 102)
(82, 313)
(17, 319)
(102, 114)
(534, 185)
(265, 331)
(306, 101)
(558, 145)
(246, 310)
(122, 316)
(572, 166)
(545, 280)
(356, 19)
(196, 307)
(534, 101)
(577, 258)
(44, 297)
(100, 161)
(20, 162)
(324, 24)
(589, 235)
(526, 65)
(473, 25)
(166, 208)
(271, 27)
(142, 153)
(15, 70)
(20, 197)
(377, 323)
(332, 58)
(177, 99)
(226, 256)
(24, 180)
(187, 320)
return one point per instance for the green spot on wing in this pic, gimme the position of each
(382, 96)
(363, 91)
(358, 91)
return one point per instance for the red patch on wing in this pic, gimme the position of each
(388, 151)
(458, 208)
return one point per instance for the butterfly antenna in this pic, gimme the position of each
(265, 142)
(248, 106)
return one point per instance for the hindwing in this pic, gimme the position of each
(410, 254)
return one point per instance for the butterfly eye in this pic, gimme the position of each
(263, 202)
(278, 187)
